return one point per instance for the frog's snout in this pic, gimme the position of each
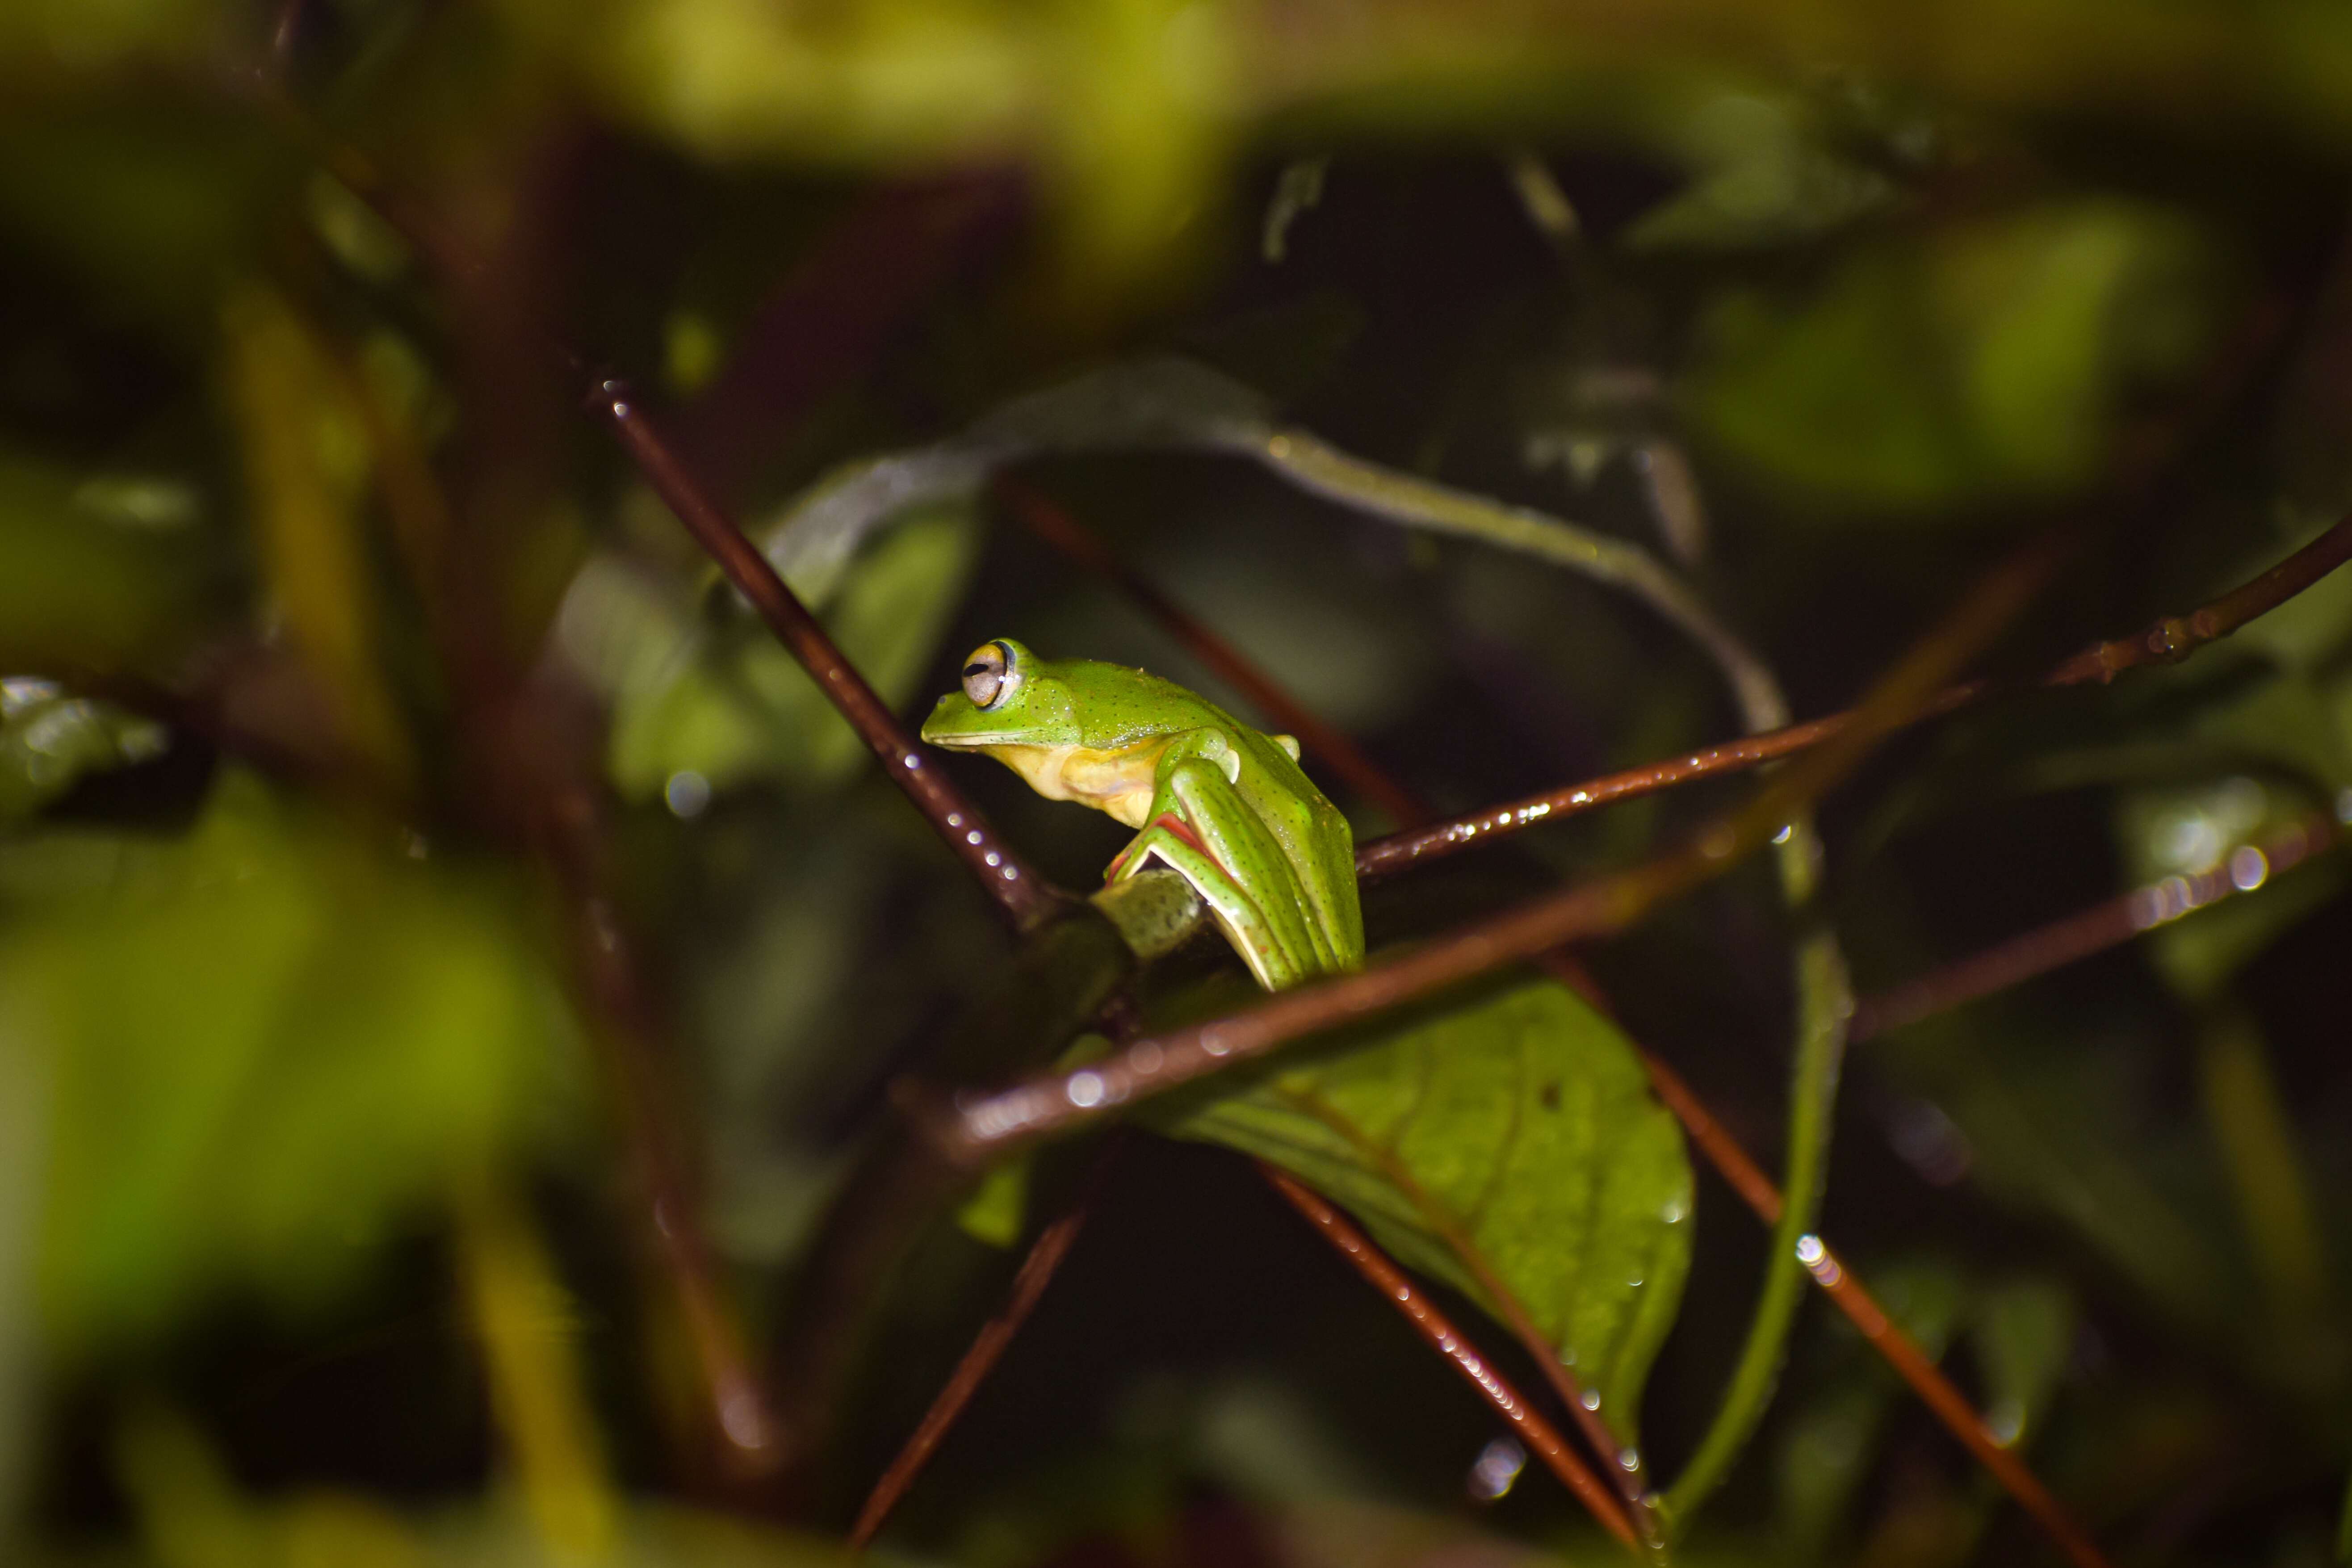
(931, 731)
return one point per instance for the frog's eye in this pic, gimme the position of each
(985, 674)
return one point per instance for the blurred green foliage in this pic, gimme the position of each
(450, 955)
(1952, 367)
(262, 1044)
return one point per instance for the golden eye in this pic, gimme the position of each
(984, 674)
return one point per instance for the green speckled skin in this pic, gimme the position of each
(1274, 859)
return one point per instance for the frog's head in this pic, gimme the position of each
(1009, 698)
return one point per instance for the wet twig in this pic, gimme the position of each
(2094, 929)
(1037, 1268)
(1540, 1436)
(1025, 896)
(2165, 641)
(1899, 1350)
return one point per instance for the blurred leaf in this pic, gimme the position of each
(1519, 1125)
(1766, 178)
(307, 458)
(81, 581)
(2057, 1125)
(994, 1213)
(1827, 1448)
(720, 699)
(1121, 105)
(48, 741)
(87, 33)
(2259, 1149)
(2188, 830)
(1831, 1438)
(527, 1328)
(2022, 1332)
(193, 1515)
(23, 1150)
(153, 201)
(266, 1043)
(1987, 364)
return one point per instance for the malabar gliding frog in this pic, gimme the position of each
(1223, 806)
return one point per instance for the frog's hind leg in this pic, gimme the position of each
(1274, 935)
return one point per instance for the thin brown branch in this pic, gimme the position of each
(2093, 930)
(1026, 898)
(974, 1131)
(1950, 1405)
(2164, 641)
(1037, 1268)
(1330, 745)
(1386, 857)
(1439, 1333)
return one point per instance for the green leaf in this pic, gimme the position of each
(994, 1215)
(1512, 1134)
(262, 1046)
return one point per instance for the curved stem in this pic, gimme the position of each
(1821, 1047)
(1321, 469)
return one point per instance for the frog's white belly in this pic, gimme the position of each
(1119, 782)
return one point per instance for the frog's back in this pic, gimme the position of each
(1126, 706)
(1315, 836)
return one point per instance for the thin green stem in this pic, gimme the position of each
(1315, 466)
(1821, 1047)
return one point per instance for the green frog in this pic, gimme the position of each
(1220, 805)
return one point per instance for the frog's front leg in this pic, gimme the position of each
(1198, 827)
